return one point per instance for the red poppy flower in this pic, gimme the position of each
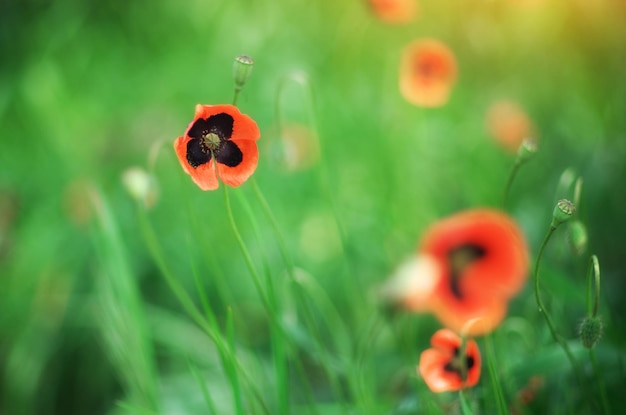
(394, 11)
(428, 71)
(221, 136)
(483, 262)
(508, 124)
(443, 368)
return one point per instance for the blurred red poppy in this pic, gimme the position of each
(219, 135)
(428, 71)
(394, 11)
(483, 262)
(449, 365)
(508, 124)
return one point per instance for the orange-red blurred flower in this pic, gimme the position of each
(428, 71)
(508, 124)
(394, 11)
(469, 266)
(219, 135)
(450, 365)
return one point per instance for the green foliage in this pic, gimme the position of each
(109, 307)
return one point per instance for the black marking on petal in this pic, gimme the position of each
(229, 154)
(454, 365)
(220, 124)
(198, 129)
(459, 258)
(197, 154)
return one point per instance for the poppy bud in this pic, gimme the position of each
(563, 211)
(141, 186)
(527, 150)
(242, 68)
(590, 331)
(577, 237)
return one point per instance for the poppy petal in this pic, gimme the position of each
(180, 146)
(432, 369)
(445, 339)
(394, 11)
(238, 155)
(501, 270)
(438, 367)
(204, 176)
(220, 124)
(196, 156)
(473, 373)
(484, 261)
(234, 176)
(428, 70)
(245, 128)
(474, 318)
(229, 154)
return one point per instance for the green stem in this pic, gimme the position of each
(282, 246)
(593, 272)
(509, 181)
(209, 327)
(543, 311)
(600, 382)
(493, 375)
(231, 369)
(256, 279)
(278, 333)
(203, 388)
(236, 95)
(465, 409)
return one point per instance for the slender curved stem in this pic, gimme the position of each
(509, 181)
(256, 278)
(543, 311)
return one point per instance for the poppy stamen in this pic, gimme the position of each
(209, 141)
(459, 259)
(458, 366)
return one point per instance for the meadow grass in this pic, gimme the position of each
(264, 299)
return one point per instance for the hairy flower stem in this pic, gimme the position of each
(543, 311)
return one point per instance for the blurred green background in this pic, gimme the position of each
(89, 89)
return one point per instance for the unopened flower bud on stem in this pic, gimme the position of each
(563, 211)
(242, 68)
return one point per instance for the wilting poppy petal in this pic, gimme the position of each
(218, 134)
(443, 368)
(428, 71)
(508, 124)
(394, 11)
(483, 260)
(235, 175)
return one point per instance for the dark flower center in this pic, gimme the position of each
(460, 365)
(459, 258)
(210, 138)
